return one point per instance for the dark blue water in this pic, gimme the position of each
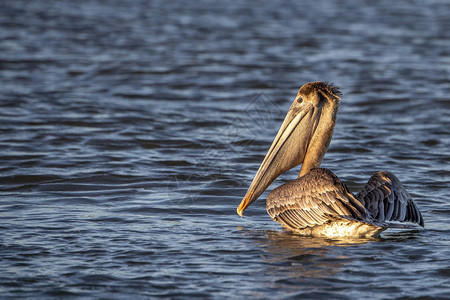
(130, 131)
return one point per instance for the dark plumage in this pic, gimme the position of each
(387, 200)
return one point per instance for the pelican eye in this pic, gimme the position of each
(299, 99)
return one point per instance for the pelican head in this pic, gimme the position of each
(303, 137)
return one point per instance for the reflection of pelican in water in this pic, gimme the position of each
(317, 203)
(290, 256)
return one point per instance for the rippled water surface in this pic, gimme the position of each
(130, 131)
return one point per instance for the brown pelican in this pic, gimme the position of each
(317, 203)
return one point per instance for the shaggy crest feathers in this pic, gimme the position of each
(326, 87)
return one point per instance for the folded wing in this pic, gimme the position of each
(387, 200)
(313, 199)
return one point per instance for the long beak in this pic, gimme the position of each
(287, 151)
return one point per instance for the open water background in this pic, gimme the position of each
(130, 131)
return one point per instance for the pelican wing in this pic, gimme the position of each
(313, 199)
(387, 200)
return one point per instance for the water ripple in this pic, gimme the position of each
(130, 131)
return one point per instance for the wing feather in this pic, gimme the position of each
(389, 207)
(387, 200)
(314, 199)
